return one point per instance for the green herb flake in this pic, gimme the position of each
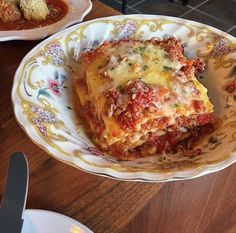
(139, 50)
(166, 55)
(135, 50)
(177, 105)
(142, 49)
(145, 67)
(166, 68)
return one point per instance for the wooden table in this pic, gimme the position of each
(206, 204)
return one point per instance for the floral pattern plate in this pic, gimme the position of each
(42, 96)
(78, 9)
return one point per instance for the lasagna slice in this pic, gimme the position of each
(141, 98)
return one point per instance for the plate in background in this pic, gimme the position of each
(43, 221)
(78, 9)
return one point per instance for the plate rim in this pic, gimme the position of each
(107, 172)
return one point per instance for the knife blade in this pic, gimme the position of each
(15, 194)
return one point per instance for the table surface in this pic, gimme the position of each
(206, 204)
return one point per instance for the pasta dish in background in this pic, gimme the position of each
(28, 14)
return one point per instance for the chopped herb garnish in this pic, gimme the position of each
(166, 55)
(142, 49)
(139, 50)
(135, 50)
(145, 67)
(167, 68)
(177, 105)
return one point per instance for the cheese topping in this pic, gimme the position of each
(140, 87)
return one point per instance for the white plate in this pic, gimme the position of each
(42, 102)
(78, 9)
(43, 221)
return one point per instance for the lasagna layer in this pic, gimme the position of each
(140, 98)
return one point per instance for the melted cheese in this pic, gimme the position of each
(146, 62)
(127, 61)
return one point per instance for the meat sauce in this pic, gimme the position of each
(57, 10)
(129, 100)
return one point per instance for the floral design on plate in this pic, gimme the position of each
(124, 29)
(54, 86)
(54, 54)
(221, 47)
(42, 117)
(230, 88)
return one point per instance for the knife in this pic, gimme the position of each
(15, 194)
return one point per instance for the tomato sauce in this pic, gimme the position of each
(57, 10)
